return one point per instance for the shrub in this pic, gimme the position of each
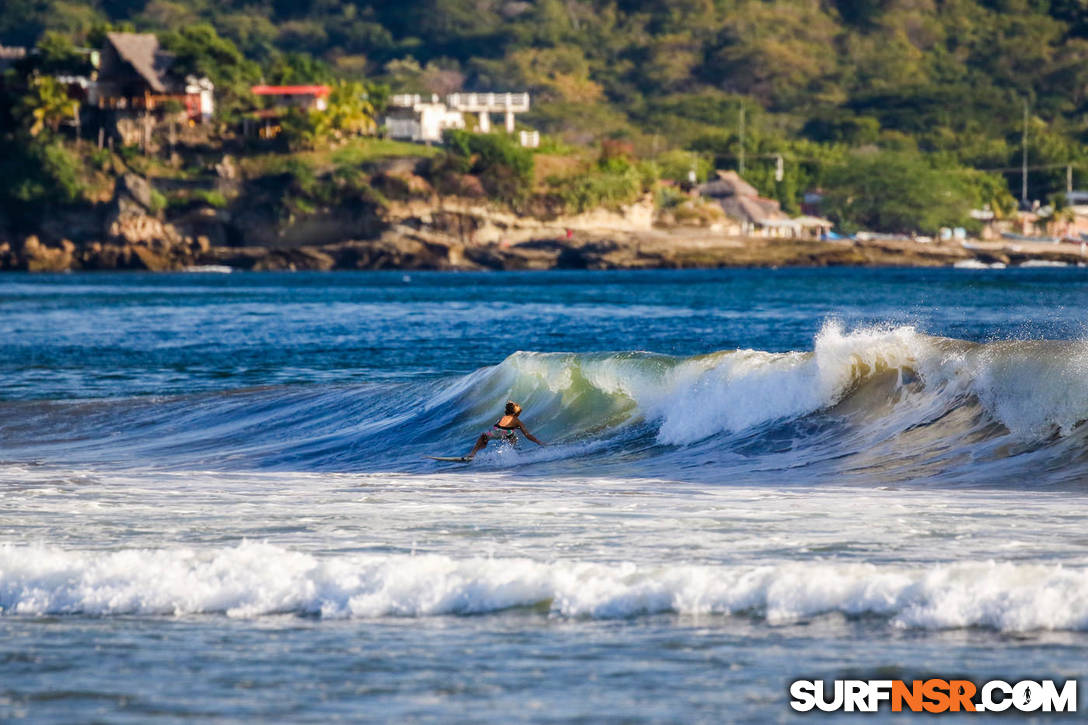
(504, 168)
(668, 197)
(100, 158)
(157, 201)
(611, 187)
(40, 177)
(211, 197)
(677, 165)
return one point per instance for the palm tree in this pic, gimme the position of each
(350, 111)
(48, 105)
(1003, 204)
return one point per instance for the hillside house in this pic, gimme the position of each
(309, 98)
(265, 122)
(756, 214)
(414, 117)
(422, 119)
(135, 76)
(741, 201)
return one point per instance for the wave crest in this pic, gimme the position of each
(887, 400)
(257, 579)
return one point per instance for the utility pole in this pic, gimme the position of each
(1068, 178)
(1024, 158)
(573, 18)
(740, 166)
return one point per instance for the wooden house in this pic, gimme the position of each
(135, 75)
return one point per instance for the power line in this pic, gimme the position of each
(1034, 167)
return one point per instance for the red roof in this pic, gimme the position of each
(291, 90)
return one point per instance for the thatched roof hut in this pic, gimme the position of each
(133, 65)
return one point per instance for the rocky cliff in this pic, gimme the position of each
(444, 234)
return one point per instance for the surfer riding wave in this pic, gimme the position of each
(504, 430)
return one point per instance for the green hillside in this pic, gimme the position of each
(933, 90)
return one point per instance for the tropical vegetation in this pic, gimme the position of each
(906, 114)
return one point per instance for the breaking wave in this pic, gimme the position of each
(257, 579)
(874, 404)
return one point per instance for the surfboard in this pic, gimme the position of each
(451, 459)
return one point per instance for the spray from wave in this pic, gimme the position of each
(883, 404)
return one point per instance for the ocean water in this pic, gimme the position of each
(215, 502)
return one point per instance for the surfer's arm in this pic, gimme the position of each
(529, 435)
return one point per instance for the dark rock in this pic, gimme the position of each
(136, 188)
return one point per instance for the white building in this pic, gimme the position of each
(486, 104)
(424, 118)
(200, 97)
(420, 118)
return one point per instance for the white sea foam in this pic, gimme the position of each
(1034, 389)
(255, 579)
(1043, 263)
(749, 388)
(975, 264)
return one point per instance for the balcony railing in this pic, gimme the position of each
(471, 102)
(411, 100)
(489, 102)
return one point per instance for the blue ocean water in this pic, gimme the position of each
(216, 502)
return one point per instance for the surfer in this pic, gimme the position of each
(505, 429)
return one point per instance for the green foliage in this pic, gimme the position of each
(201, 51)
(41, 177)
(46, 106)
(129, 154)
(100, 158)
(613, 181)
(59, 173)
(172, 107)
(158, 201)
(991, 190)
(945, 82)
(597, 188)
(304, 129)
(58, 55)
(287, 69)
(212, 197)
(301, 176)
(349, 113)
(677, 165)
(669, 197)
(188, 198)
(504, 168)
(363, 150)
(297, 187)
(895, 192)
(349, 110)
(843, 128)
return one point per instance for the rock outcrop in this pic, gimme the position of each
(448, 234)
(135, 236)
(34, 256)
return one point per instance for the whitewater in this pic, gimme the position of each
(214, 485)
